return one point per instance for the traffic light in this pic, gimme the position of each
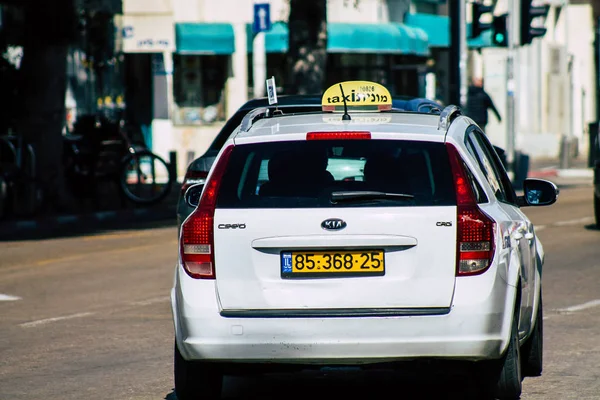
(528, 14)
(499, 31)
(478, 27)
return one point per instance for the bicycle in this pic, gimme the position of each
(21, 192)
(142, 176)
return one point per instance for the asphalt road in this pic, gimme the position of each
(88, 317)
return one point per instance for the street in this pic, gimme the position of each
(88, 317)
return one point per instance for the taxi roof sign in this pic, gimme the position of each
(358, 95)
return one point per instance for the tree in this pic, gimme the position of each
(48, 29)
(307, 53)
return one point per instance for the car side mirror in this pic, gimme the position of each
(538, 192)
(192, 195)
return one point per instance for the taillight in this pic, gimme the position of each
(343, 135)
(475, 229)
(191, 178)
(197, 232)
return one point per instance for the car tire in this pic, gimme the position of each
(533, 349)
(508, 384)
(196, 380)
(501, 379)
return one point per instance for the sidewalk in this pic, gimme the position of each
(577, 174)
(159, 215)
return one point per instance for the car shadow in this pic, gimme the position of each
(352, 385)
(592, 227)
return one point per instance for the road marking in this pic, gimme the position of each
(49, 320)
(574, 221)
(7, 297)
(112, 235)
(59, 259)
(151, 301)
(104, 253)
(580, 307)
(584, 220)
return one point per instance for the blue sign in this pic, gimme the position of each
(128, 32)
(262, 18)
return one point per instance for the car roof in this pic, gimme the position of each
(417, 126)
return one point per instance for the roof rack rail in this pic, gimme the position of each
(448, 114)
(253, 115)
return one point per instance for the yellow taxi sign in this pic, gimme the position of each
(359, 95)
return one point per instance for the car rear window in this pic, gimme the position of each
(304, 174)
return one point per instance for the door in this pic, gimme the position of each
(518, 226)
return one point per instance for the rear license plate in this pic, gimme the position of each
(316, 264)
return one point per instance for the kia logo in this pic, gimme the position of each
(333, 224)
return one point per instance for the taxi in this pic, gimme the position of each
(358, 235)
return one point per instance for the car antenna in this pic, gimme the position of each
(346, 116)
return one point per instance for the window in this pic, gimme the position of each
(304, 174)
(349, 67)
(491, 166)
(199, 88)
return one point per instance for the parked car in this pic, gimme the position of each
(427, 256)
(198, 169)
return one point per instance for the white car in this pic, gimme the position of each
(427, 255)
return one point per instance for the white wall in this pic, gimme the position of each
(365, 11)
(544, 102)
(147, 6)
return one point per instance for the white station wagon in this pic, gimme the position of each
(425, 254)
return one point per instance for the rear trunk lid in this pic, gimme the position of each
(334, 224)
(398, 258)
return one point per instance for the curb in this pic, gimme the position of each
(84, 222)
(561, 173)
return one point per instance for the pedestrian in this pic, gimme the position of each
(478, 103)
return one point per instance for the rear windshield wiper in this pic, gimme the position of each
(368, 195)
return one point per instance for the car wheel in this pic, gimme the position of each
(509, 380)
(597, 209)
(532, 350)
(196, 380)
(501, 379)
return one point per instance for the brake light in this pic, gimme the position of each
(191, 178)
(475, 229)
(345, 135)
(197, 232)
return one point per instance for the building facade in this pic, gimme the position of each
(189, 65)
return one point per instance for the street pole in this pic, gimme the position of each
(463, 53)
(259, 64)
(458, 53)
(513, 30)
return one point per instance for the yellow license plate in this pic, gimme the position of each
(334, 262)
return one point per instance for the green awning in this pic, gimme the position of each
(437, 28)
(386, 38)
(418, 41)
(204, 38)
(276, 40)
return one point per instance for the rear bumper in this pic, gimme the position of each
(476, 328)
